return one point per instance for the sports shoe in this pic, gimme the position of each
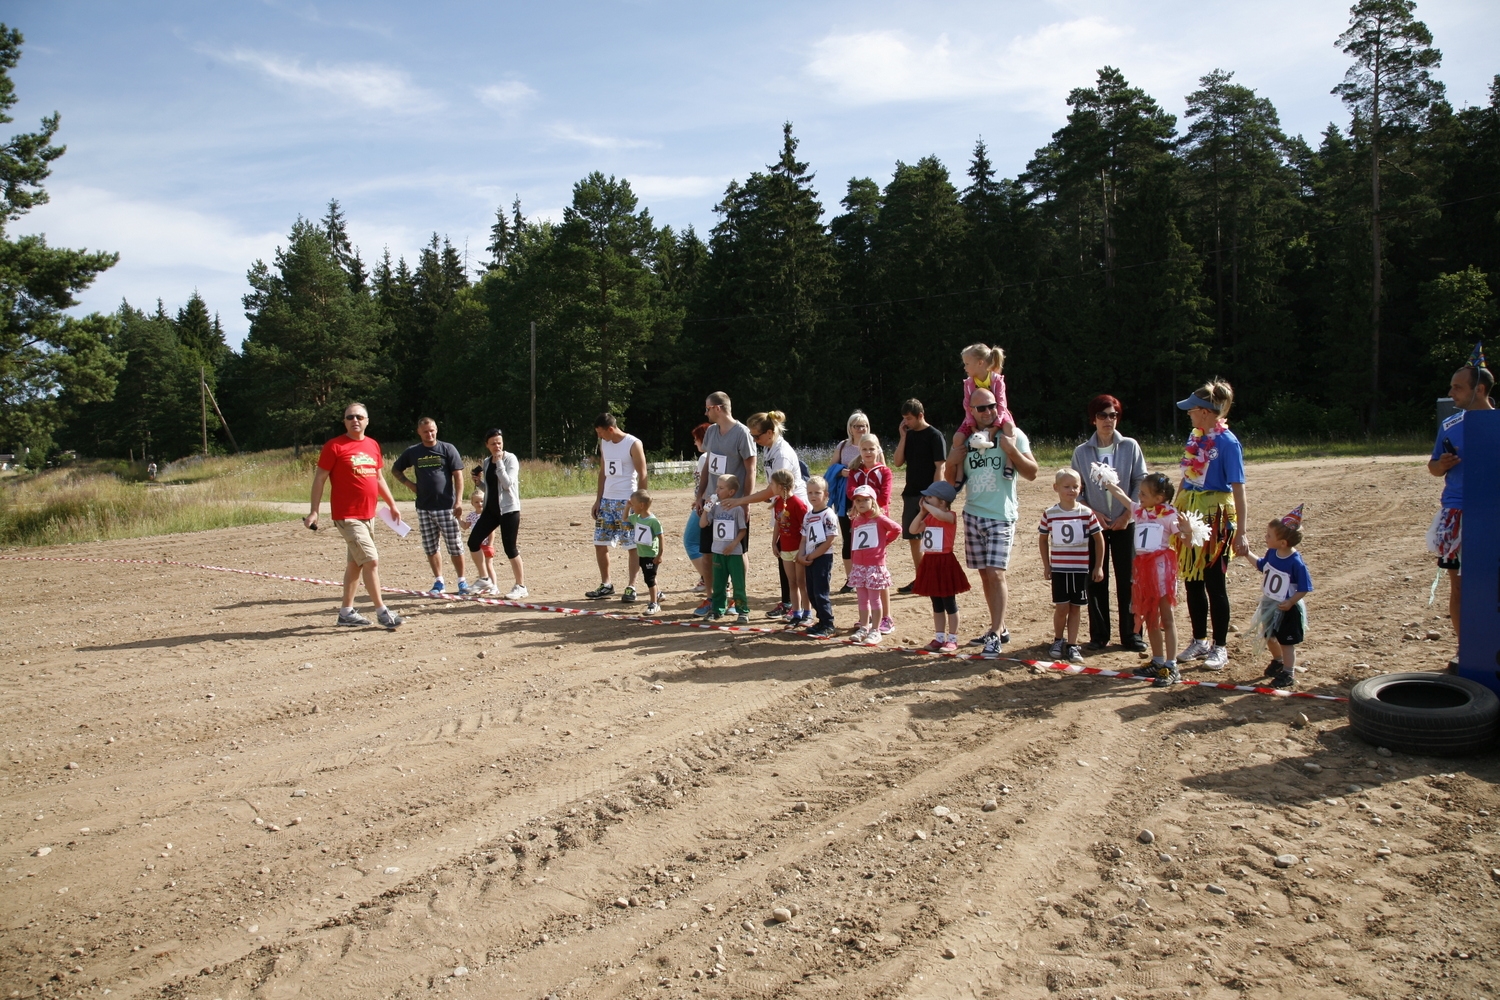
(352, 618)
(388, 618)
(1075, 654)
(1283, 680)
(1136, 644)
(1274, 667)
(799, 619)
(699, 588)
(482, 585)
(1167, 674)
(1217, 658)
(906, 589)
(742, 619)
(1196, 650)
(463, 587)
(887, 625)
(820, 632)
(779, 611)
(846, 589)
(628, 597)
(1058, 650)
(873, 637)
(517, 593)
(704, 610)
(949, 646)
(992, 645)
(653, 608)
(601, 591)
(858, 635)
(983, 639)
(935, 646)
(437, 586)
(1004, 636)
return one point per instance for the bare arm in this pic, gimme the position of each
(384, 488)
(899, 458)
(1241, 545)
(1098, 556)
(319, 478)
(638, 456)
(750, 473)
(1024, 462)
(1044, 543)
(1439, 466)
(458, 491)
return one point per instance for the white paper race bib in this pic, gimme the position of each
(611, 468)
(1106, 459)
(1069, 534)
(866, 537)
(1278, 585)
(817, 534)
(718, 464)
(1150, 536)
(644, 535)
(932, 539)
(724, 531)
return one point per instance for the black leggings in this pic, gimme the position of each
(490, 519)
(945, 605)
(1209, 597)
(848, 539)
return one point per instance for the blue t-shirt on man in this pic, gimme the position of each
(1452, 433)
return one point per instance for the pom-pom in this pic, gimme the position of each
(980, 441)
(1104, 474)
(1197, 528)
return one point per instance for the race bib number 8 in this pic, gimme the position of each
(1278, 585)
(865, 537)
(1068, 534)
(718, 464)
(932, 539)
(1150, 537)
(643, 535)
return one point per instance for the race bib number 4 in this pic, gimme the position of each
(817, 534)
(643, 535)
(866, 537)
(1150, 536)
(1278, 585)
(1069, 534)
(718, 464)
(932, 539)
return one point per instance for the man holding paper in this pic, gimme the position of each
(353, 463)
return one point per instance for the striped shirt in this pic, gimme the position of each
(1069, 533)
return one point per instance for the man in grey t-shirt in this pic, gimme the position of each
(440, 498)
(730, 450)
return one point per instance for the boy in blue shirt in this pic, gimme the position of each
(1281, 616)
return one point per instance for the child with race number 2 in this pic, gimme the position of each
(939, 576)
(1281, 616)
(870, 532)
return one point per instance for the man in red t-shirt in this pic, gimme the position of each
(353, 462)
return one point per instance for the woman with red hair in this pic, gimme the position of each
(1107, 446)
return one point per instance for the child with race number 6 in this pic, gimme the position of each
(1281, 616)
(1158, 532)
(1071, 540)
(870, 532)
(939, 576)
(729, 526)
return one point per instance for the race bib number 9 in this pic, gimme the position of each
(1150, 537)
(1278, 585)
(724, 531)
(932, 539)
(866, 537)
(1068, 534)
(718, 464)
(644, 535)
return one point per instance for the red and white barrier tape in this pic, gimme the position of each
(1055, 665)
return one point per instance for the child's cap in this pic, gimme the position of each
(865, 490)
(942, 491)
(1293, 519)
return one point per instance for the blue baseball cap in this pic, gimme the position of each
(942, 490)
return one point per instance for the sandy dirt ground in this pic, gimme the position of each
(210, 791)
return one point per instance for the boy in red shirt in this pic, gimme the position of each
(352, 462)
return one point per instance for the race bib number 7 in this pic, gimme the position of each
(1150, 537)
(1068, 534)
(932, 539)
(866, 537)
(643, 535)
(1278, 585)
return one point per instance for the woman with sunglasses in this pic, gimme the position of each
(1107, 446)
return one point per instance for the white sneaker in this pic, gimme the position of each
(481, 586)
(873, 637)
(1196, 650)
(1217, 658)
(858, 635)
(516, 593)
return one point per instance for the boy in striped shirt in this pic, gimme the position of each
(1068, 532)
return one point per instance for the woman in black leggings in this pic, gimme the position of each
(500, 475)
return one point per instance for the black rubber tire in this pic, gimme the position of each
(1421, 713)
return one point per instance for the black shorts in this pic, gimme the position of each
(648, 570)
(1070, 588)
(1292, 628)
(910, 508)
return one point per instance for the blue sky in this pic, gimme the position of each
(197, 132)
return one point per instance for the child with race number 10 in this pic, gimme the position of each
(1281, 616)
(870, 532)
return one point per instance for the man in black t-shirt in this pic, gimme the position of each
(440, 497)
(922, 449)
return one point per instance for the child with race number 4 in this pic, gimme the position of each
(1067, 535)
(645, 531)
(1157, 533)
(820, 529)
(730, 527)
(1281, 616)
(870, 532)
(485, 583)
(939, 576)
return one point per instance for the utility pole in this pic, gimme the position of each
(533, 390)
(203, 405)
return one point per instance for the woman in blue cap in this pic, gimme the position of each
(1213, 486)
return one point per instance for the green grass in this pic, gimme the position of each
(1165, 452)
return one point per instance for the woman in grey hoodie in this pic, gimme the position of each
(1124, 454)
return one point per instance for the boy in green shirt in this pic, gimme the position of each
(645, 530)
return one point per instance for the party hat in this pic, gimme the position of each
(1294, 519)
(1476, 360)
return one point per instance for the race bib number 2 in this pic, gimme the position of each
(865, 537)
(1150, 536)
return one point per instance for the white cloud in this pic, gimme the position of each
(507, 96)
(568, 133)
(666, 186)
(1038, 69)
(367, 84)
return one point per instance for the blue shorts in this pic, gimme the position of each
(612, 526)
(690, 535)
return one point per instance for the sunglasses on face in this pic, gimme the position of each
(1110, 415)
(984, 407)
(355, 416)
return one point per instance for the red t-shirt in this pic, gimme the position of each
(789, 514)
(353, 468)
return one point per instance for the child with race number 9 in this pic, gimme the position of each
(870, 532)
(1281, 616)
(1071, 540)
(939, 576)
(1157, 533)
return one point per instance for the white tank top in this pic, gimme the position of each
(619, 467)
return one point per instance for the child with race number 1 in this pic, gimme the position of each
(1157, 533)
(939, 576)
(1281, 616)
(870, 532)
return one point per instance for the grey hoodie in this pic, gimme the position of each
(1130, 463)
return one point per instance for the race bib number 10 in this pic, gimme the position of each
(1149, 537)
(932, 539)
(1278, 585)
(865, 537)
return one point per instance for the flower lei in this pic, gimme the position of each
(1200, 450)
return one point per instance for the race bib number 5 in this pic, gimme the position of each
(932, 539)
(1278, 585)
(643, 535)
(865, 537)
(1150, 536)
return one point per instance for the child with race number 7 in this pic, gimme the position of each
(1281, 616)
(870, 532)
(939, 576)
(1071, 540)
(645, 532)
(1158, 532)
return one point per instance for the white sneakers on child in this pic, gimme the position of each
(1196, 650)
(1217, 658)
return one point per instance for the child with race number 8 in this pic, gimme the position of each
(1158, 532)
(1281, 616)
(729, 527)
(939, 576)
(1071, 541)
(870, 532)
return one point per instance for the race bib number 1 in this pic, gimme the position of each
(865, 537)
(932, 539)
(1278, 585)
(1149, 537)
(643, 535)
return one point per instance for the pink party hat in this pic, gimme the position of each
(1294, 519)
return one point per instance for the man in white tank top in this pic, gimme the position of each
(622, 471)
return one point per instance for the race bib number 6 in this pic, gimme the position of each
(724, 531)
(644, 535)
(1278, 585)
(1149, 537)
(865, 537)
(932, 539)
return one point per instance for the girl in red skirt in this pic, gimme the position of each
(1158, 533)
(939, 576)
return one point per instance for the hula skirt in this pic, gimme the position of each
(940, 575)
(1153, 576)
(1217, 509)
